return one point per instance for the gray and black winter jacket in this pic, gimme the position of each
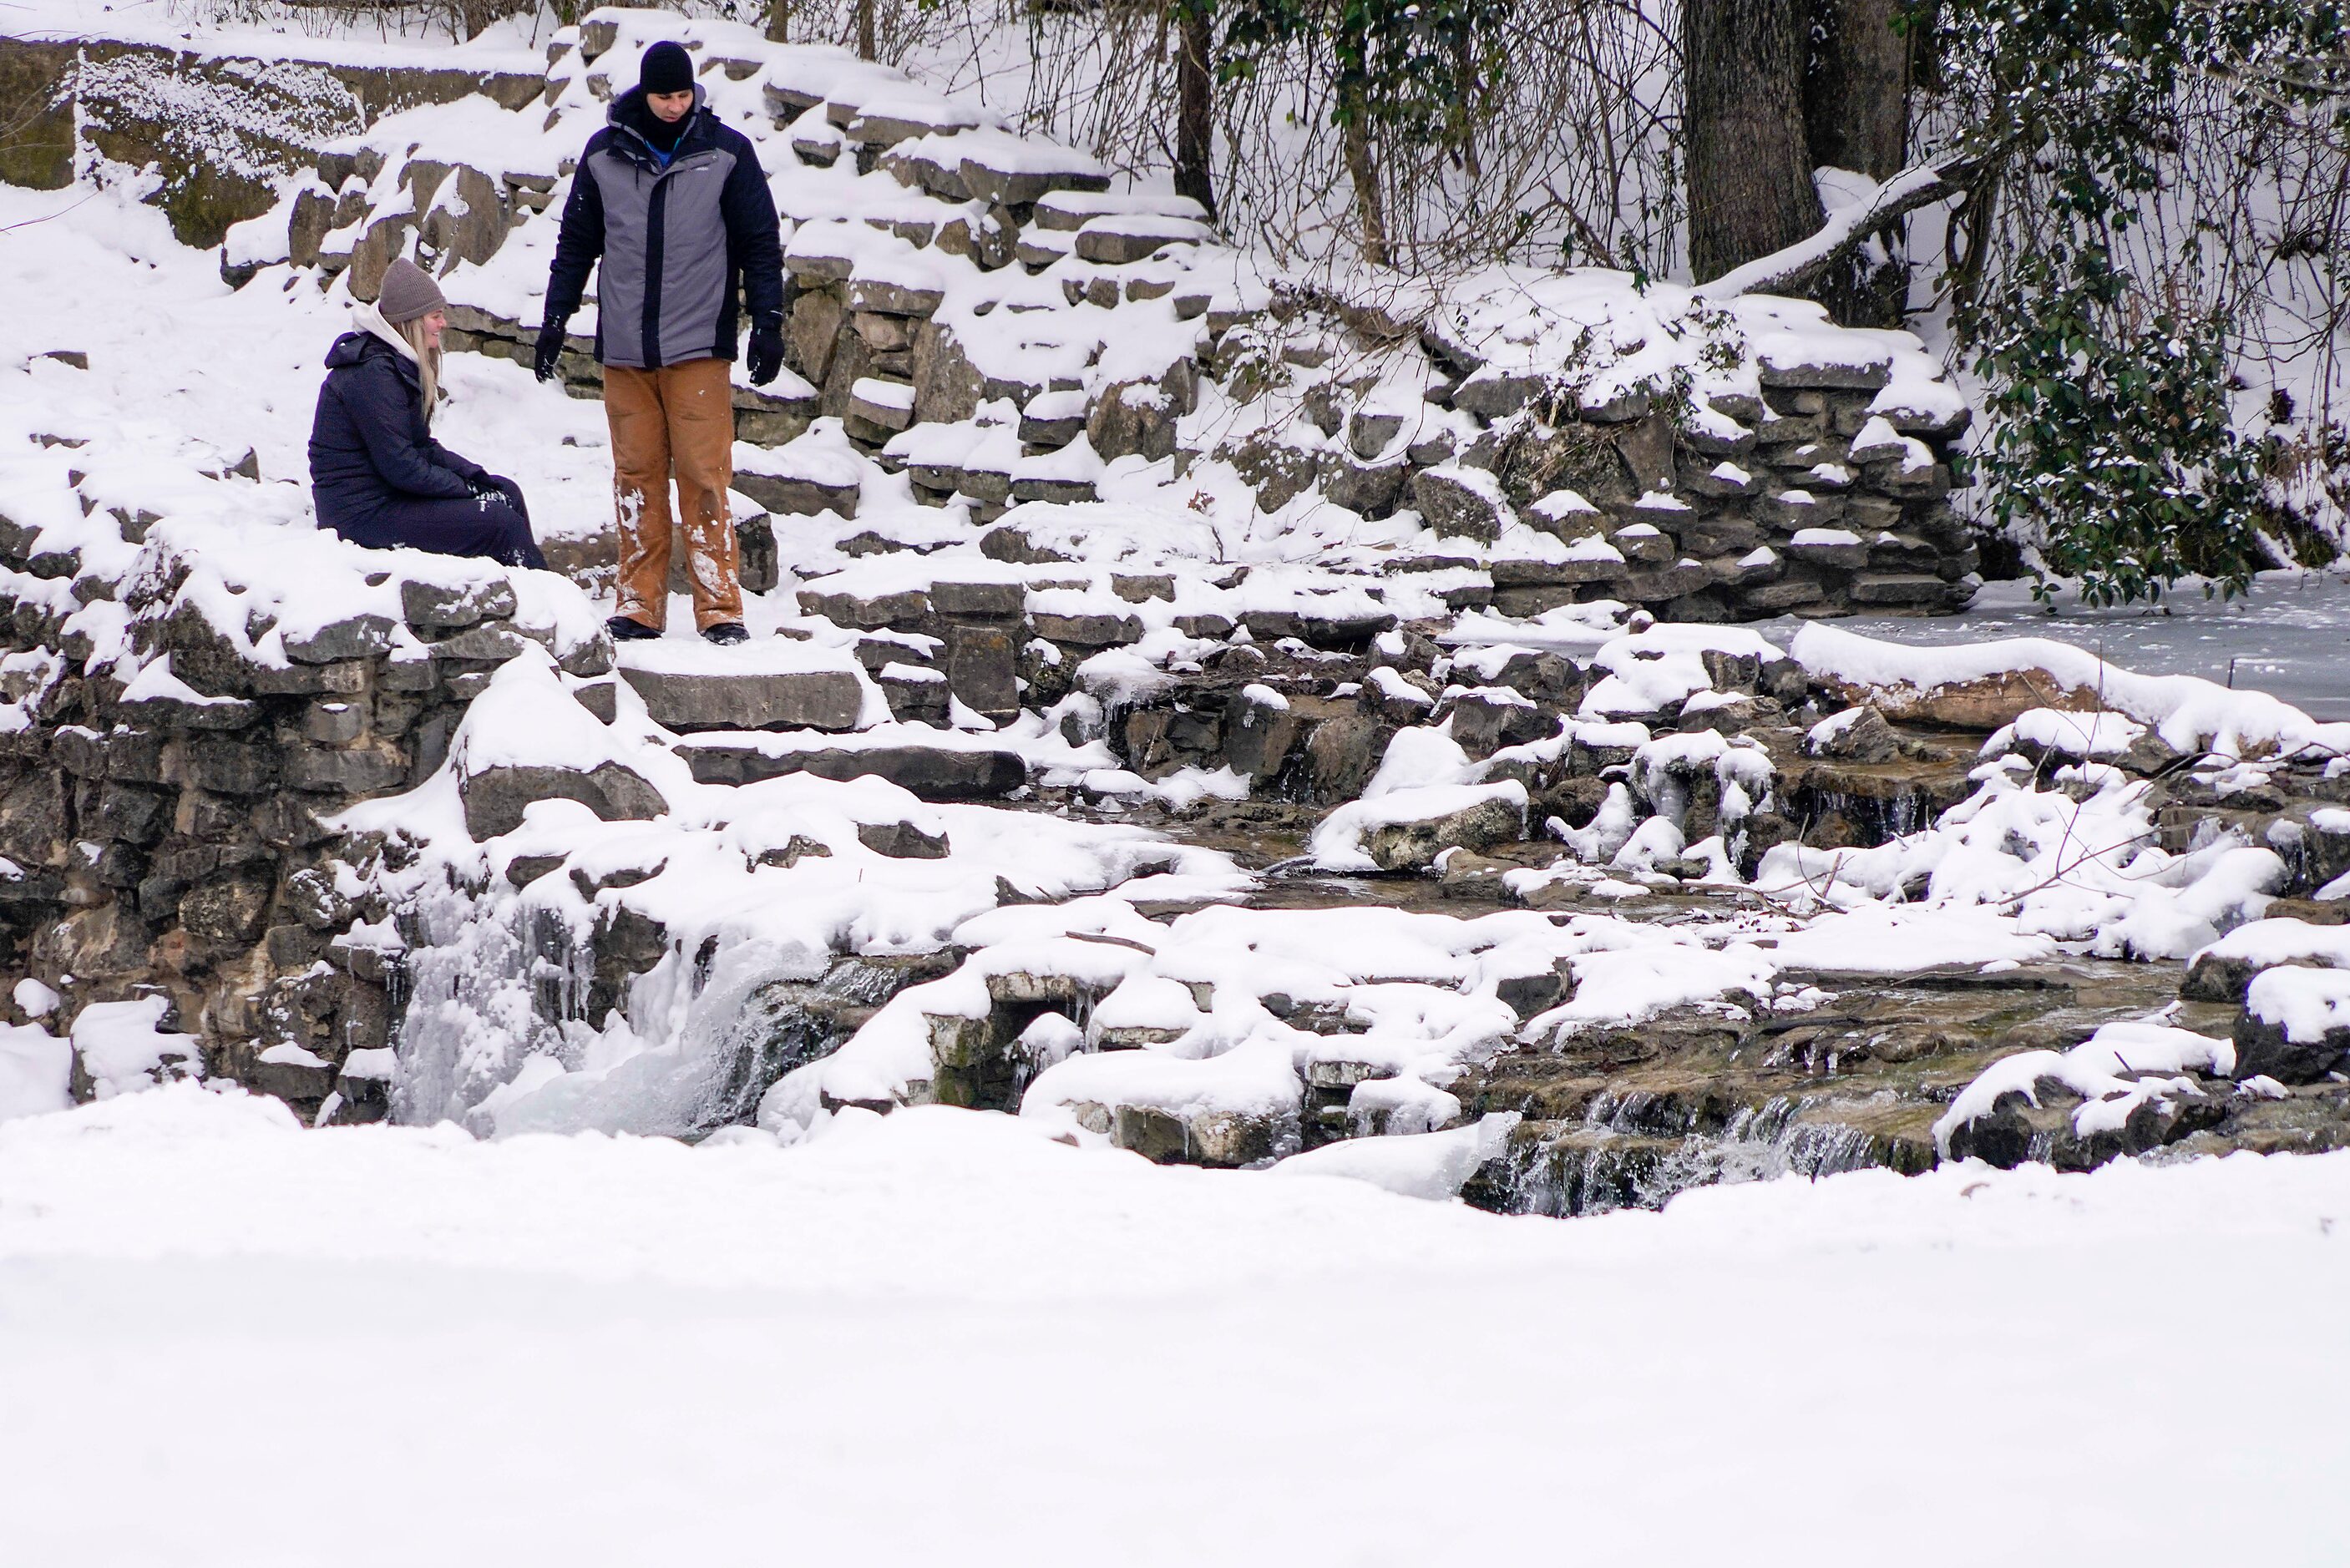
(677, 239)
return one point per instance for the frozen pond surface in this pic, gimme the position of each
(2291, 636)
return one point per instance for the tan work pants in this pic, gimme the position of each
(679, 420)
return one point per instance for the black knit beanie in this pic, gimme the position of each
(667, 68)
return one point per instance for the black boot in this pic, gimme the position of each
(725, 634)
(627, 628)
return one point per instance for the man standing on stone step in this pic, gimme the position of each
(677, 207)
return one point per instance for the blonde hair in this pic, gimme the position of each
(428, 363)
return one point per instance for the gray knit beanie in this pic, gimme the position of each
(408, 293)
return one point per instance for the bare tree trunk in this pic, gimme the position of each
(865, 30)
(1750, 167)
(1464, 50)
(1370, 209)
(1856, 92)
(1967, 246)
(1856, 117)
(779, 16)
(1195, 104)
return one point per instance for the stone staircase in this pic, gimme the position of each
(916, 759)
(977, 312)
(871, 272)
(761, 711)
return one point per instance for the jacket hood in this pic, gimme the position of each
(353, 347)
(369, 318)
(357, 347)
(630, 114)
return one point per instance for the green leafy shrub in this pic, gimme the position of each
(2110, 445)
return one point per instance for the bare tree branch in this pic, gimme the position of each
(1848, 227)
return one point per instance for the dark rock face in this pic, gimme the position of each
(215, 127)
(1165, 1138)
(1133, 419)
(931, 772)
(2215, 977)
(1627, 1116)
(495, 798)
(39, 149)
(431, 607)
(798, 497)
(902, 841)
(1868, 740)
(1257, 733)
(1411, 845)
(174, 846)
(2015, 1130)
(232, 909)
(1454, 504)
(359, 637)
(820, 700)
(2264, 1049)
(983, 664)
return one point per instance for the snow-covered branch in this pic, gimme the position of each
(1785, 271)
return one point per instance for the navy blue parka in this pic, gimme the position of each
(379, 479)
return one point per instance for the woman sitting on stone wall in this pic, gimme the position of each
(379, 477)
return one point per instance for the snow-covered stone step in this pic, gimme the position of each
(1072, 210)
(889, 119)
(896, 594)
(1067, 476)
(823, 251)
(879, 408)
(818, 472)
(1108, 286)
(818, 142)
(935, 765)
(810, 75)
(922, 224)
(2226, 969)
(1017, 170)
(1116, 239)
(1040, 248)
(931, 164)
(771, 684)
(1053, 420)
(915, 691)
(945, 457)
(895, 286)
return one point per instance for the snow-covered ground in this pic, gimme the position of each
(179, 363)
(940, 1338)
(950, 1336)
(298, 31)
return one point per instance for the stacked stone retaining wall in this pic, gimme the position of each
(179, 839)
(222, 130)
(1824, 490)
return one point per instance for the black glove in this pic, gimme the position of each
(766, 354)
(490, 486)
(549, 360)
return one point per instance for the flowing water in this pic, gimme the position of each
(1616, 1162)
(510, 1026)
